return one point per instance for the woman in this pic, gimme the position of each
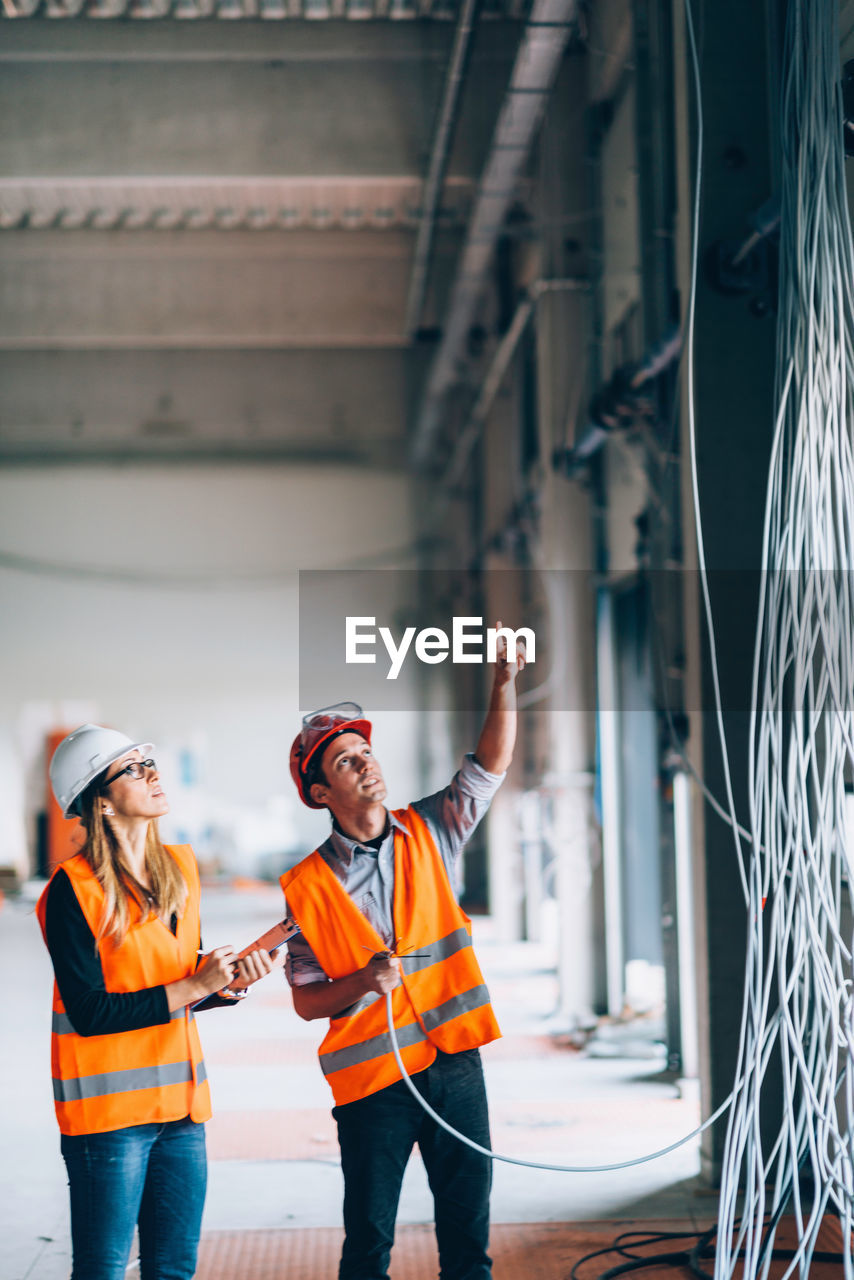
(121, 922)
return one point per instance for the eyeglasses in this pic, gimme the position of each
(136, 769)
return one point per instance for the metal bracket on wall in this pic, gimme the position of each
(618, 405)
(748, 268)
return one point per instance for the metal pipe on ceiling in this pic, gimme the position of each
(541, 48)
(439, 155)
(501, 358)
(504, 353)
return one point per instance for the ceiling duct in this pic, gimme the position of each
(541, 49)
(442, 141)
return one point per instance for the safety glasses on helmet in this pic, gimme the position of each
(321, 724)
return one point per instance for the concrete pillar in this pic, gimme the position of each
(566, 721)
(734, 365)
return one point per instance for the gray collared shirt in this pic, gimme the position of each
(368, 874)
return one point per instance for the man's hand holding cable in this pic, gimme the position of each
(327, 999)
(382, 973)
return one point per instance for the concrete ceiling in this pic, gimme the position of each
(207, 228)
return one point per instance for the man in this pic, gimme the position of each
(379, 914)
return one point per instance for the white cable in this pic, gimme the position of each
(692, 438)
(802, 709)
(534, 1164)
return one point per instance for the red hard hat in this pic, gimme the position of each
(318, 728)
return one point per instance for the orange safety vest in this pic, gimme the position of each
(149, 1075)
(442, 1001)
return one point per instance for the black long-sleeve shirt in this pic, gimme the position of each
(91, 1008)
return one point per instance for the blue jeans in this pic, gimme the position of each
(150, 1175)
(376, 1135)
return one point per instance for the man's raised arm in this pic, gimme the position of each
(497, 739)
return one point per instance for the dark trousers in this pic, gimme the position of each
(150, 1175)
(377, 1134)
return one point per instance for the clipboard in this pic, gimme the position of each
(272, 939)
(269, 941)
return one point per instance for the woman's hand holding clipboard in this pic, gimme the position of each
(270, 944)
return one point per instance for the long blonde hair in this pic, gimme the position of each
(168, 893)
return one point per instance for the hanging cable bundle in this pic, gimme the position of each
(798, 992)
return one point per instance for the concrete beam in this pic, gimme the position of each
(158, 289)
(293, 42)
(262, 405)
(264, 100)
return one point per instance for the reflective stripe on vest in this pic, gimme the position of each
(61, 1023)
(377, 1046)
(144, 1075)
(441, 1003)
(129, 1081)
(429, 953)
(467, 1002)
(432, 952)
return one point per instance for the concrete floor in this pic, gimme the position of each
(273, 1156)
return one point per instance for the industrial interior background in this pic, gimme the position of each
(293, 285)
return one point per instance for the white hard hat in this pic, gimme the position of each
(81, 756)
